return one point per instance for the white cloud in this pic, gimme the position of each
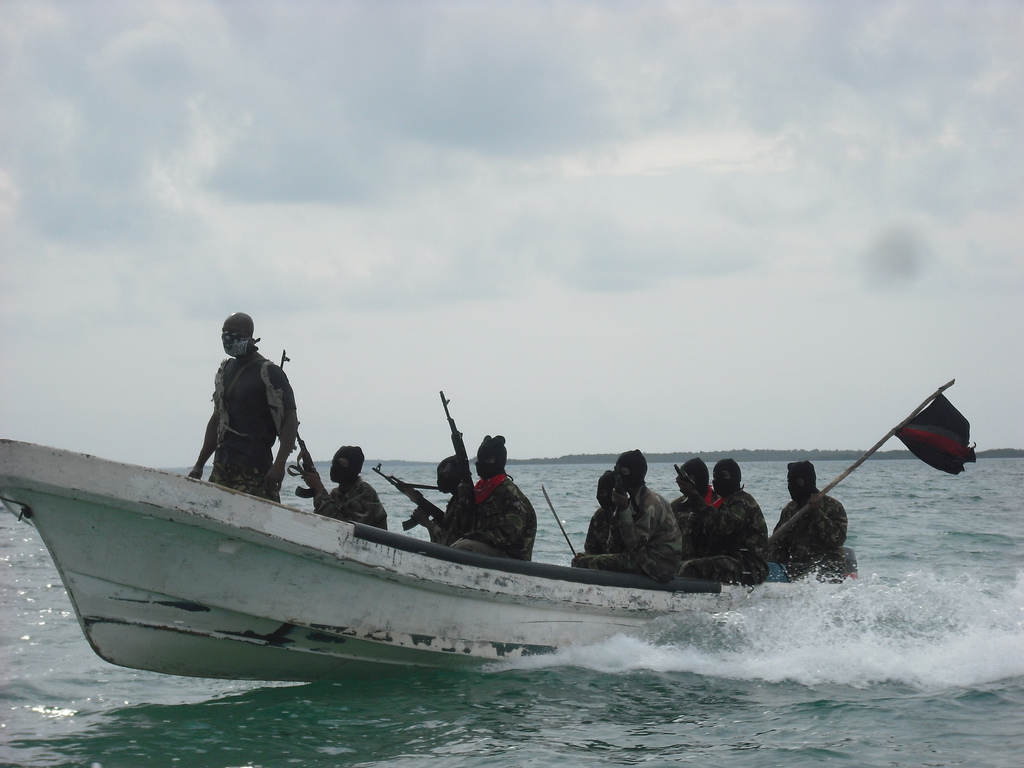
(529, 202)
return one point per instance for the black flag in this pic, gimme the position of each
(939, 437)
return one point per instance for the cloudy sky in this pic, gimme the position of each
(597, 226)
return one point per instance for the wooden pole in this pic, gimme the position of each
(788, 526)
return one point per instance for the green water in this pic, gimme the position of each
(918, 663)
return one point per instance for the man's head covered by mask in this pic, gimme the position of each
(448, 476)
(802, 481)
(236, 335)
(347, 464)
(695, 472)
(490, 457)
(631, 466)
(726, 478)
(605, 486)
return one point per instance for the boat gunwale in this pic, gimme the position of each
(550, 571)
(397, 541)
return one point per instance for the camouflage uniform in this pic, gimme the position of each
(455, 523)
(250, 400)
(731, 542)
(505, 520)
(358, 504)
(681, 508)
(815, 543)
(645, 539)
(244, 478)
(597, 534)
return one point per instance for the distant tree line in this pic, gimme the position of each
(757, 455)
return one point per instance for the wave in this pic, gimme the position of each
(925, 632)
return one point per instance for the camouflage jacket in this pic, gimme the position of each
(505, 520)
(358, 504)
(647, 529)
(682, 508)
(816, 541)
(456, 522)
(597, 534)
(736, 529)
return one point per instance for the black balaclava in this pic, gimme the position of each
(726, 477)
(636, 464)
(802, 481)
(490, 457)
(696, 471)
(448, 475)
(343, 475)
(605, 486)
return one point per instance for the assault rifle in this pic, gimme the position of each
(412, 493)
(620, 484)
(304, 462)
(465, 473)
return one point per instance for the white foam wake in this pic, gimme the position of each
(924, 632)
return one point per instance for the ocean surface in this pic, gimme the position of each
(919, 662)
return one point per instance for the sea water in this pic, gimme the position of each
(919, 662)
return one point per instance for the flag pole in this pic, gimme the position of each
(788, 526)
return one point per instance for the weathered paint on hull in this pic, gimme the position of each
(223, 644)
(179, 576)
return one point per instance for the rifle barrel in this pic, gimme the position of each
(458, 443)
(307, 463)
(409, 490)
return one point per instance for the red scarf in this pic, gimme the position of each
(711, 495)
(485, 488)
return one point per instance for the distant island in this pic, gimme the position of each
(740, 455)
(757, 455)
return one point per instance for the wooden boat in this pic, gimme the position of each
(180, 576)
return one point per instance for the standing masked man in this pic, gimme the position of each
(253, 406)
(644, 536)
(815, 543)
(731, 540)
(503, 523)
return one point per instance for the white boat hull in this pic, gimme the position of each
(180, 576)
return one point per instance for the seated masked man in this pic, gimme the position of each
(502, 520)
(601, 522)
(644, 536)
(456, 519)
(815, 542)
(354, 499)
(731, 540)
(693, 481)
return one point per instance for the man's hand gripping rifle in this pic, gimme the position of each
(302, 467)
(303, 461)
(425, 511)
